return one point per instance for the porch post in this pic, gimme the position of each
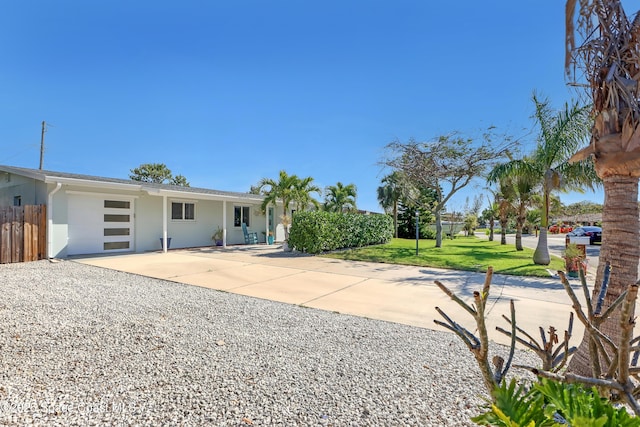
(266, 224)
(164, 224)
(224, 223)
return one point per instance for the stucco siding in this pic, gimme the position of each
(257, 223)
(14, 185)
(198, 232)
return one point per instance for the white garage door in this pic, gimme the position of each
(99, 224)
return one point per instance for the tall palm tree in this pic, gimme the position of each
(602, 48)
(389, 195)
(288, 189)
(340, 197)
(561, 133)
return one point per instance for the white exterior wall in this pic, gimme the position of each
(148, 220)
(32, 192)
(257, 223)
(147, 223)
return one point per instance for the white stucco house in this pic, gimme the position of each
(95, 215)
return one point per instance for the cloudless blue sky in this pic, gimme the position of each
(228, 92)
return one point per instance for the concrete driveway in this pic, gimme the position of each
(402, 294)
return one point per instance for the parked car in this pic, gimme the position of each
(556, 228)
(594, 233)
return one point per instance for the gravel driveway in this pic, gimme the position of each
(81, 345)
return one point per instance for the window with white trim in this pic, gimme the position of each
(240, 215)
(183, 211)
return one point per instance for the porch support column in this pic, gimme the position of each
(224, 223)
(164, 224)
(266, 224)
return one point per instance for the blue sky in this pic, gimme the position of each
(228, 92)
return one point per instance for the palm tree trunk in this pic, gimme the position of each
(491, 229)
(519, 238)
(541, 254)
(520, 219)
(503, 232)
(621, 247)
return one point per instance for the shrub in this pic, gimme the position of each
(318, 231)
(550, 403)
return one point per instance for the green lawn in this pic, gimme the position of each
(461, 253)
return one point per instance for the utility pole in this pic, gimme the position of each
(44, 129)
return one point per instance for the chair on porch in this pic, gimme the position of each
(250, 237)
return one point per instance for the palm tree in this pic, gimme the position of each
(518, 191)
(303, 189)
(523, 187)
(340, 198)
(390, 194)
(606, 56)
(560, 136)
(288, 189)
(504, 203)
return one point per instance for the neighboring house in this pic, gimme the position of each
(96, 215)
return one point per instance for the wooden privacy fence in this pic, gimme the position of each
(23, 233)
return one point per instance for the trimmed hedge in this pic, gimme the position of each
(318, 231)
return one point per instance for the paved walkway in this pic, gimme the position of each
(395, 293)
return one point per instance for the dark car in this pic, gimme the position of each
(594, 233)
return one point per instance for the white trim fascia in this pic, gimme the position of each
(95, 184)
(199, 196)
(89, 193)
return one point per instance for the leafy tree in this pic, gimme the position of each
(445, 165)
(407, 208)
(157, 173)
(340, 198)
(470, 223)
(289, 189)
(390, 194)
(407, 222)
(581, 208)
(180, 180)
(561, 133)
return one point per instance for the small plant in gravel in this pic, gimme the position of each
(559, 397)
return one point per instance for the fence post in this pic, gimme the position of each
(5, 235)
(17, 230)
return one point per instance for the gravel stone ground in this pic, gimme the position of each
(81, 345)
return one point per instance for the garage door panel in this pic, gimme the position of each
(99, 225)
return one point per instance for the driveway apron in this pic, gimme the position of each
(395, 293)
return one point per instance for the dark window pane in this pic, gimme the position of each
(116, 218)
(115, 245)
(237, 216)
(189, 211)
(116, 231)
(176, 210)
(245, 215)
(117, 204)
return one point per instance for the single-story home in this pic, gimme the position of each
(95, 215)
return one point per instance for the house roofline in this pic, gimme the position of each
(154, 189)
